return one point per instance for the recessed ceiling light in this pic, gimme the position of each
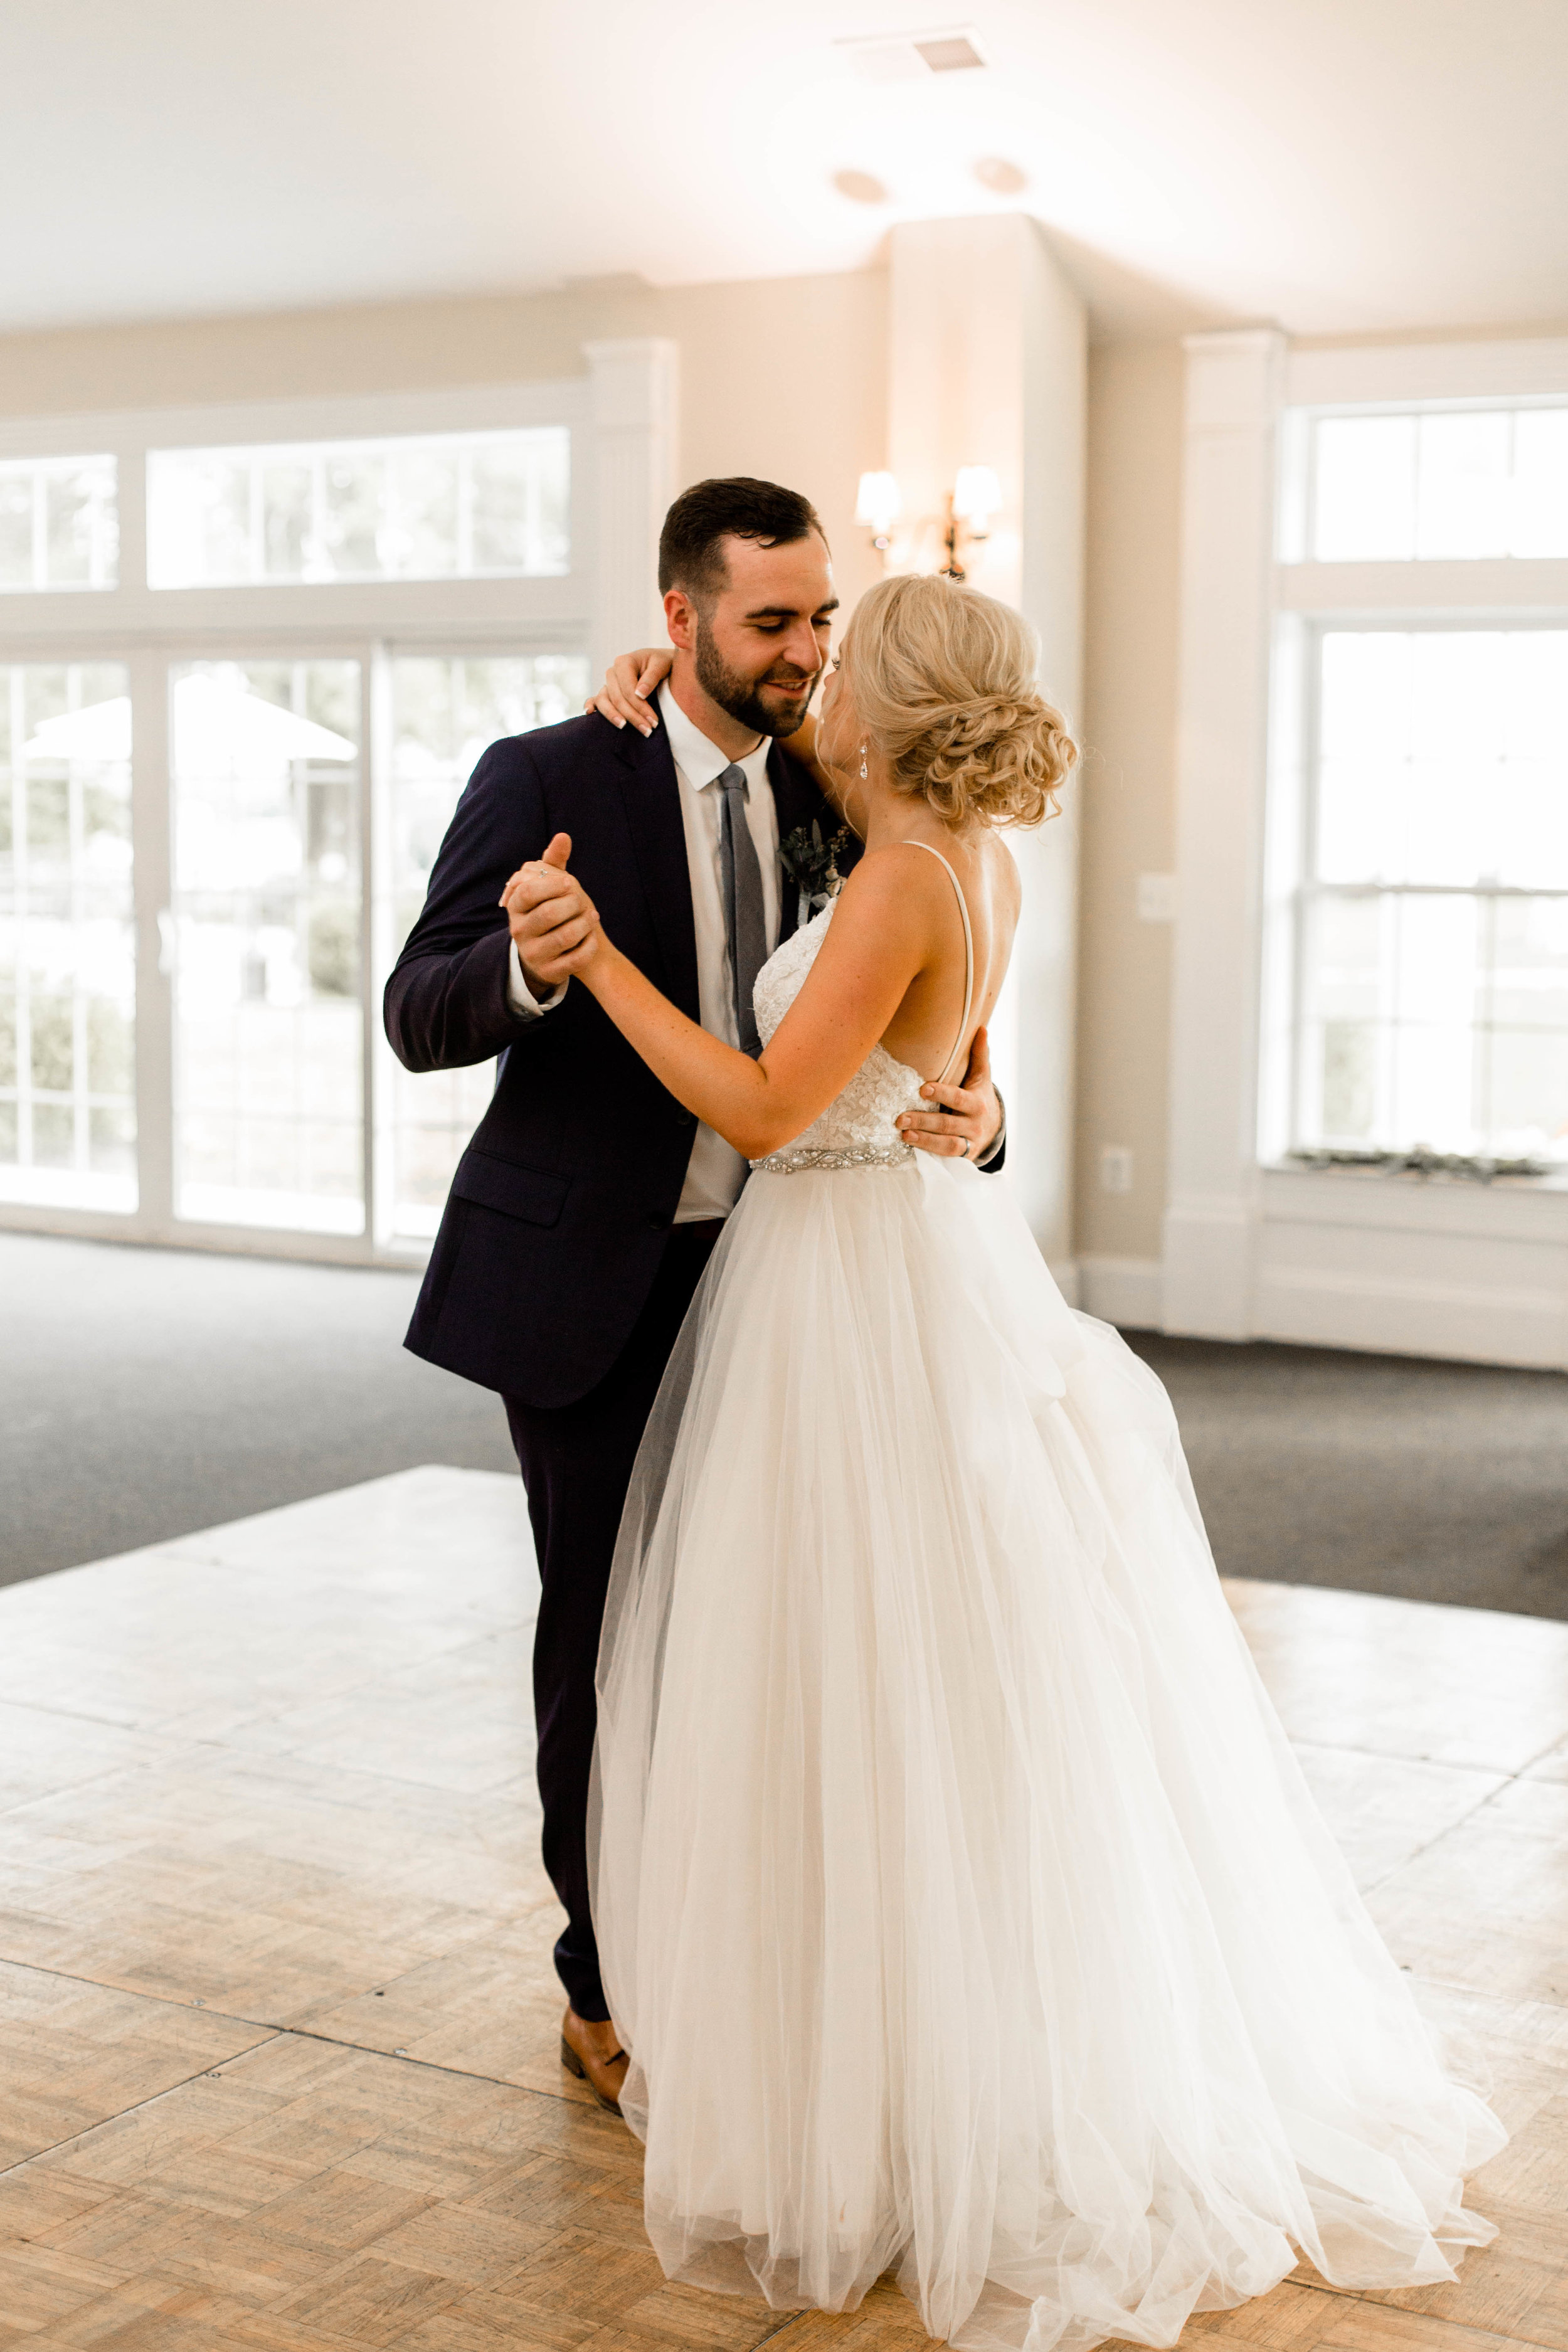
(911, 57)
(860, 187)
(1005, 179)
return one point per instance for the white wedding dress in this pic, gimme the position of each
(959, 1899)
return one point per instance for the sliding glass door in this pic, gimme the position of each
(295, 804)
(268, 944)
(68, 966)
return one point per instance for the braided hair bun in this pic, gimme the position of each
(942, 679)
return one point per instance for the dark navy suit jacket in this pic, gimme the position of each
(560, 1206)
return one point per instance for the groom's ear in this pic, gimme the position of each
(680, 618)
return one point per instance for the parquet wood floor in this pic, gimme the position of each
(278, 2057)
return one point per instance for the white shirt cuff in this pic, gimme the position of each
(521, 997)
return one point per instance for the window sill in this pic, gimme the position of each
(1533, 1208)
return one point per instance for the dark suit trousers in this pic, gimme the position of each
(576, 1463)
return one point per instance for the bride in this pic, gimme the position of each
(961, 1905)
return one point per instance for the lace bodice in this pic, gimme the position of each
(857, 1130)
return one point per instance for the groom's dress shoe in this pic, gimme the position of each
(603, 2075)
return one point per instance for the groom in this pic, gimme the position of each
(588, 1202)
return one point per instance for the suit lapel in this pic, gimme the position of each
(651, 798)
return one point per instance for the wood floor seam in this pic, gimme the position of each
(1371, 1885)
(270, 2030)
(136, 2107)
(782, 2328)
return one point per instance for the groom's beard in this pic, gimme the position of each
(760, 703)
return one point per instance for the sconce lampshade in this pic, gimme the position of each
(976, 495)
(878, 502)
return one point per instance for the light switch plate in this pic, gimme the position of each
(1115, 1167)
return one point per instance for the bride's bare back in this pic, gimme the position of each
(925, 1034)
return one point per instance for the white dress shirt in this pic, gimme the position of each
(716, 1170)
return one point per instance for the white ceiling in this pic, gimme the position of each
(1338, 165)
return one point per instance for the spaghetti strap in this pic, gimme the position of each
(968, 959)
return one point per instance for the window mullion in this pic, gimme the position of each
(151, 876)
(375, 749)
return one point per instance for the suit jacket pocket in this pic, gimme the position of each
(528, 1193)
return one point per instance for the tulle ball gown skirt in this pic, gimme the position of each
(960, 1901)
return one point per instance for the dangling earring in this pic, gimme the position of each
(862, 763)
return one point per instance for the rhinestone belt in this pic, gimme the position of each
(796, 1163)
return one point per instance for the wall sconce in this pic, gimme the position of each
(881, 505)
(974, 498)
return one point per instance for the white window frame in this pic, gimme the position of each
(1254, 1246)
(623, 416)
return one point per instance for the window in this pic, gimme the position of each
(1428, 901)
(472, 506)
(67, 962)
(1435, 905)
(226, 774)
(1444, 483)
(59, 524)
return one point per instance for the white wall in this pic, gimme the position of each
(1126, 790)
(986, 366)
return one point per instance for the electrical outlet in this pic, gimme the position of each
(1115, 1167)
(1156, 897)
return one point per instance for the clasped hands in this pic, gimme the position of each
(553, 922)
(556, 929)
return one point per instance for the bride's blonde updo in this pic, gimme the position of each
(943, 682)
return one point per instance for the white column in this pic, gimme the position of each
(633, 400)
(1235, 384)
(987, 368)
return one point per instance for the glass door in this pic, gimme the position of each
(267, 918)
(270, 1100)
(67, 940)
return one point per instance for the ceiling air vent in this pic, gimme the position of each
(954, 53)
(911, 57)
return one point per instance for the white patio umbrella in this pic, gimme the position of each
(218, 725)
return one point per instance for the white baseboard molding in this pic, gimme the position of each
(1368, 1314)
(1406, 1316)
(1127, 1291)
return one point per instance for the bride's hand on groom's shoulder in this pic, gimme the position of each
(553, 922)
(626, 699)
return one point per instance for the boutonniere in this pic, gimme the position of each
(811, 863)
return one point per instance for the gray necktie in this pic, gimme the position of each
(743, 917)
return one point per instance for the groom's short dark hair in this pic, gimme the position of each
(735, 505)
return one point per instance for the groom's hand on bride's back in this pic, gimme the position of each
(958, 1122)
(550, 914)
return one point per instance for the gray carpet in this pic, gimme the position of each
(145, 1393)
(1378, 1474)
